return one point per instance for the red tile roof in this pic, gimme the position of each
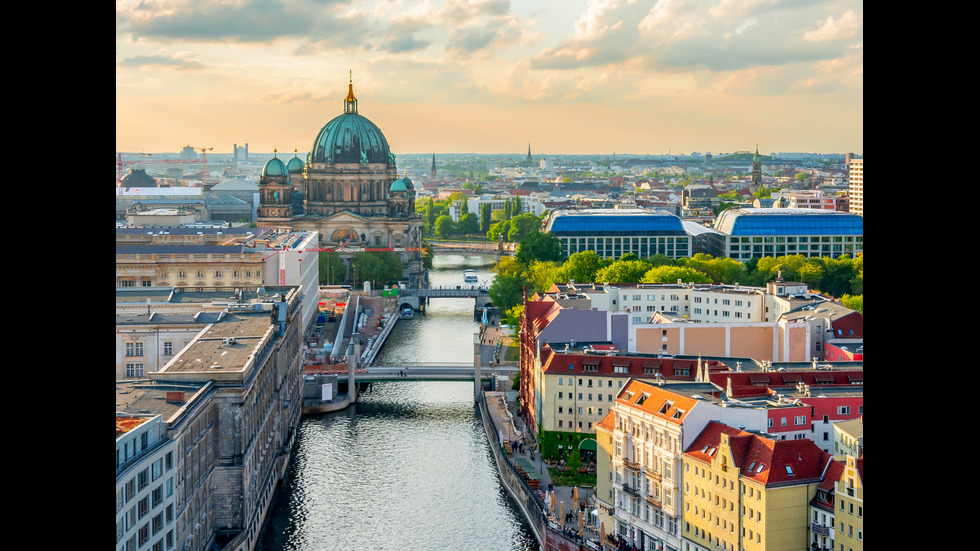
(657, 401)
(762, 459)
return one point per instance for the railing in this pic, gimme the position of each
(820, 529)
(653, 501)
(635, 492)
(631, 464)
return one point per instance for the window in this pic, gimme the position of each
(143, 478)
(168, 349)
(134, 349)
(799, 420)
(843, 410)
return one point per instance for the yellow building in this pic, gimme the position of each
(745, 492)
(604, 487)
(849, 514)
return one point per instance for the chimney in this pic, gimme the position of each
(175, 396)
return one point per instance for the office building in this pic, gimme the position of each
(611, 233)
(743, 234)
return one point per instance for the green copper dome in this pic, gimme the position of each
(398, 185)
(275, 168)
(295, 165)
(350, 138)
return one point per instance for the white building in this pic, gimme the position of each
(856, 186)
(652, 427)
(145, 481)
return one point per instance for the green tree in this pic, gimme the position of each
(331, 267)
(580, 267)
(486, 214)
(541, 274)
(378, 267)
(670, 274)
(506, 291)
(620, 271)
(854, 302)
(445, 226)
(539, 246)
(468, 224)
(498, 228)
(522, 225)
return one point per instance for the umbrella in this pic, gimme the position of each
(561, 514)
(575, 496)
(602, 534)
(580, 518)
(553, 501)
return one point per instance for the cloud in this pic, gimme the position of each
(678, 35)
(179, 64)
(849, 25)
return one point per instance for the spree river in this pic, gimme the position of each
(408, 466)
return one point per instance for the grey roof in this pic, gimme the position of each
(182, 249)
(236, 184)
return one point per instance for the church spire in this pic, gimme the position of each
(350, 102)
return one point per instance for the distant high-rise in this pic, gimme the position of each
(187, 153)
(855, 187)
(432, 173)
(240, 153)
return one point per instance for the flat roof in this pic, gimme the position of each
(212, 354)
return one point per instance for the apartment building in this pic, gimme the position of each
(229, 402)
(652, 425)
(849, 514)
(855, 188)
(745, 492)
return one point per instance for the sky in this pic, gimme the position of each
(494, 76)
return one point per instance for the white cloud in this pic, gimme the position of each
(849, 25)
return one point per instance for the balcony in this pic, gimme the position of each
(635, 492)
(655, 475)
(631, 464)
(652, 500)
(820, 529)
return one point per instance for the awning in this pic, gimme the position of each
(588, 444)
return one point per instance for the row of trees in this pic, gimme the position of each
(490, 222)
(378, 267)
(538, 264)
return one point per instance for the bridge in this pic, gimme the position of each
(416, 297)
(423, 372)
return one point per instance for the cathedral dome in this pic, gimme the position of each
(350, 138)
(275, 168)
(295, 165)
(137, 177)
(399, 185)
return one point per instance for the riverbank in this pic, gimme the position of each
(563, 518)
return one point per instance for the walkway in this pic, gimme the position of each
(566, 514)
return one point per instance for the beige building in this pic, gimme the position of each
(855, 189)
(849, 515)
(745, 492)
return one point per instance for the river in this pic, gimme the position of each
(408, 466)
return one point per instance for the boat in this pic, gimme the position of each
(469, 276)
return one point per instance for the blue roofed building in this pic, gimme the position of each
(742, 234)
(611, 233)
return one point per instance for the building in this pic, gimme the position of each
(652, 425)
(822, 511)
(242, 260)
(353, 197)
(230, 401)
(849, 514)
(742, 234)
(146, 502)
(611, 233)
(849, 437)
(742, 491)
(855, 187)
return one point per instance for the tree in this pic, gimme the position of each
(506, 291)
(522, 225)
(623, 271)
(378, 267)
(468, 224)
(854, 302)
(498, 228)
(670, 274)
(445, 226)
(486, 214)
(539, 246)
(580, 267)
(331, 267)
(541, 275)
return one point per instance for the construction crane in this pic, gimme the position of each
(204, 157)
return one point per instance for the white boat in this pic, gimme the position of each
(469, 276)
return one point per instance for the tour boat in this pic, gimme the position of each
(469, 276)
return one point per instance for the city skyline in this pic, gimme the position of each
(567, 76)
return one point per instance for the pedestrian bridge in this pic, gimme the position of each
(416, 297)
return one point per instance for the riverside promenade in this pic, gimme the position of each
(561, 516)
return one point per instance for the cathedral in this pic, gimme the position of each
(352, 194)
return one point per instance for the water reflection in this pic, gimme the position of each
(408, 467)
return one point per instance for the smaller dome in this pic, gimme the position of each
(275, 168)
(408, 183)
(295, 165)
(399, 185)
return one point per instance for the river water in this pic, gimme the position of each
(408, 466)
